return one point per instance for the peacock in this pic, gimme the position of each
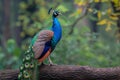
(42, 44)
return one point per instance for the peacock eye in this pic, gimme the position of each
(26, 74)
(27, 65)
(32, 55)
(27, 57)
(31, 65)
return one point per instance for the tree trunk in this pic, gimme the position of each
(1, 21)
(16, 29)
(68, 72)
(94, 27)
(6, 34)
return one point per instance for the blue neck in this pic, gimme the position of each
(56, 28)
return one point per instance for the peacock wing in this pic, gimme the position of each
(43, 37)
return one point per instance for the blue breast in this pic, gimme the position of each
(56, 28)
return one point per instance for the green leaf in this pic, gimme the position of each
(62, 8)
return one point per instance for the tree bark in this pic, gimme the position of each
(68, 72)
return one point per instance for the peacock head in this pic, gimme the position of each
(55, 13)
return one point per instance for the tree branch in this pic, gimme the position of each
(68, 72)
(85, 11)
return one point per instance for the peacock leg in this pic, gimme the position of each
(50, 61)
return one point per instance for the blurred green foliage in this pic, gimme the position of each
(10, 58)
(79, 48)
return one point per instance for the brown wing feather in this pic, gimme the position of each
(43, 37)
